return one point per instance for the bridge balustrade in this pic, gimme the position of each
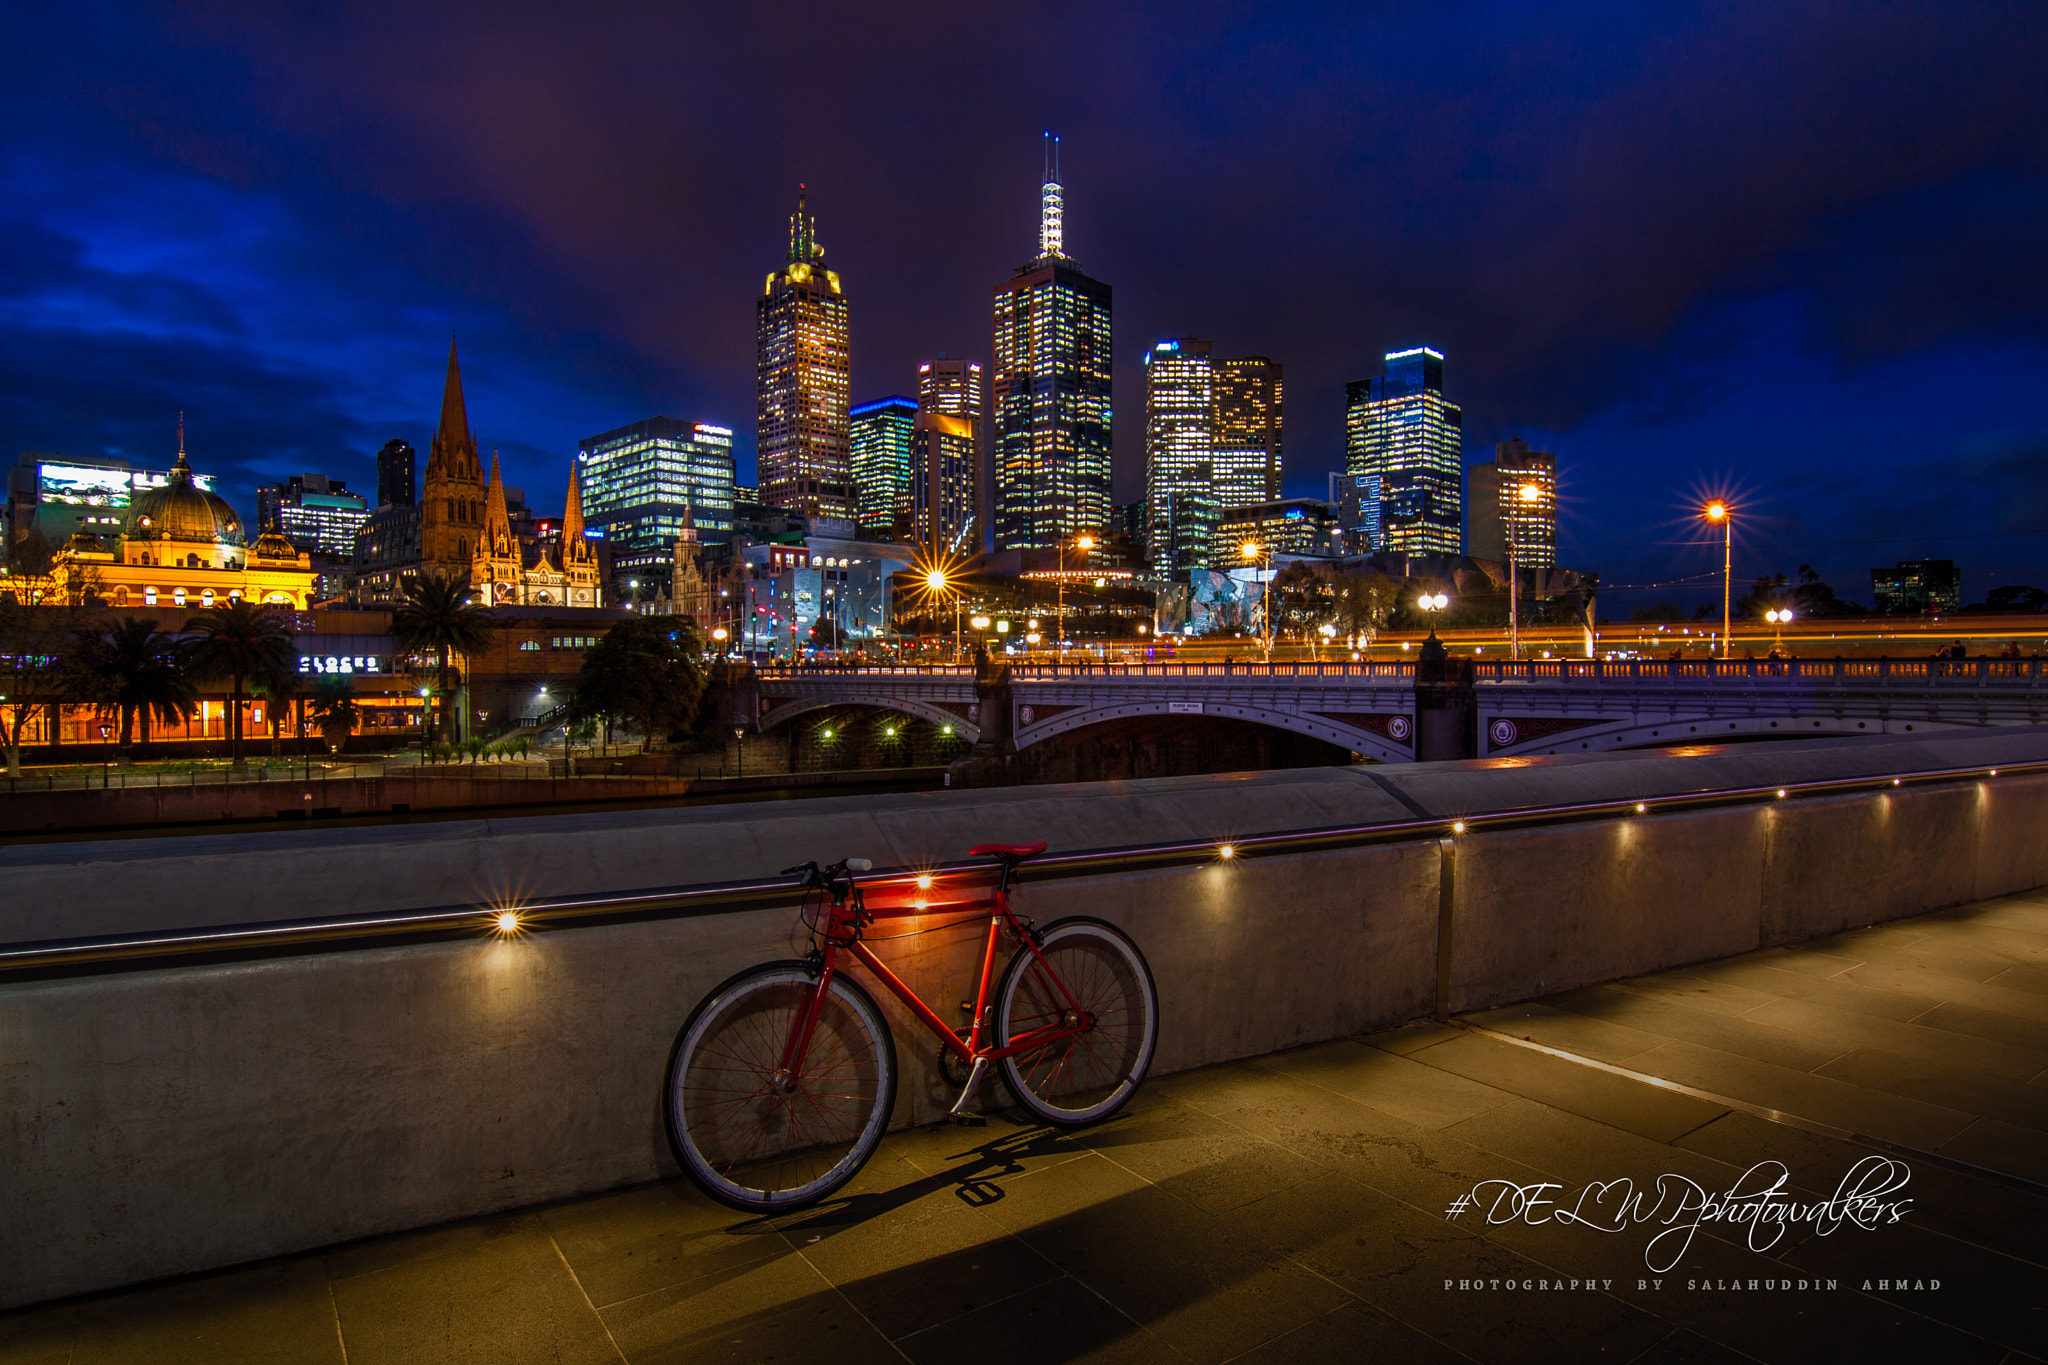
(1961, 673)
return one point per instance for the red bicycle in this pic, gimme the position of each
(781, 1083)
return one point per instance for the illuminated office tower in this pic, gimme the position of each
(944, 453)
(1247, 431)
(949, 386)
(642, 485)
(1399, 430)
(1501, 513)
(801, 417)
(1182, 501)
(1050, 406)
(882, 467)
(313, 512)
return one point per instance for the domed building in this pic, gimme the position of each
(182, 546)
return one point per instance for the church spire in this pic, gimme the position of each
(575, 548)
(497, 537)
(453, 441)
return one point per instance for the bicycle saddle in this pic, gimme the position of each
(1006, 850)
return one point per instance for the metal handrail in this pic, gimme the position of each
(185, 947)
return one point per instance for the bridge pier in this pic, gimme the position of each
(992, 762)
(1446, 705)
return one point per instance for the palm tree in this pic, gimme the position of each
(439, 619)
(237, 642)
(335, 711)
(139, 665)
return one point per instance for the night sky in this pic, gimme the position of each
(1797, 254)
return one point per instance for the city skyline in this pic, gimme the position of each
(1745, 325)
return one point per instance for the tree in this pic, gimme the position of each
(236, 643)
(438, 618)
(2015, 597)
(335, 711)
(1805, 596)
(1364, 601)
(45, 661)
(646, 670)
(139, 666)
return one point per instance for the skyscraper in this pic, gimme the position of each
(1212, 446)
(1181, 497)
(643, 482)
(396, 486)
(801, 416)
(1499, 512)
(315, 513)
(949, 386)
(1400, 430)
(1051, 401)
(1248, 442)
(944, 455)
(882, 466)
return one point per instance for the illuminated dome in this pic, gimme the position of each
(272, 545)
(182, 510)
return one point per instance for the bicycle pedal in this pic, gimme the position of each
(969, 1120)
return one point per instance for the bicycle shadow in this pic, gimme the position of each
(974, 1180)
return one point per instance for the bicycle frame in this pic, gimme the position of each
(849, 917)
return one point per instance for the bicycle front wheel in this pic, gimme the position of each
(1091, 972)
(755, 1139)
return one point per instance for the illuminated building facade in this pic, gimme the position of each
(882, 465)
(313, 512)
(1212, 446)
(943, 457)
(642, 483)
(1182, 501)
(1290, 526)
(1500, 513)
(1400, 430)
(181, 545)
(1247, 430)
(1918, 585)
(802, 382)
(1051, 399)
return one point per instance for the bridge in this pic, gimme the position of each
(1547, 706)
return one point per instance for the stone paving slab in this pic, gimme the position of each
(1294, 1207)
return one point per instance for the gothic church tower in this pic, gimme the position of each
(496, 570)
(452, 501)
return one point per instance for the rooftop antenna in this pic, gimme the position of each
(1052, 202)
(803, 231)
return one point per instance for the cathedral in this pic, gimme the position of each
(465, 533)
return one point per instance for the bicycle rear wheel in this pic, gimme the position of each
(759, 1141)
(1085, 1076)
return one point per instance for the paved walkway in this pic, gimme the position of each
(1293, 1208)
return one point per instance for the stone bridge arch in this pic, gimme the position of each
(777, 716)
(1325, 728)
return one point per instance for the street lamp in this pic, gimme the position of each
(1779, 619)
(1718, 512)
(1262, 555)
(1328, 632)
(1527, 493)
(1084, 544)
(1432, 603)
(106, 770)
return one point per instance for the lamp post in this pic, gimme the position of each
(1528, 492)
(980, 623)
(1719, 512)
(1432, 603)
(1779, 619)
(1261, 557)
(739, 734)
(938, 585)
(106, 767)
(1084, 544)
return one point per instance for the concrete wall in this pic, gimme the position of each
(158, 1122)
